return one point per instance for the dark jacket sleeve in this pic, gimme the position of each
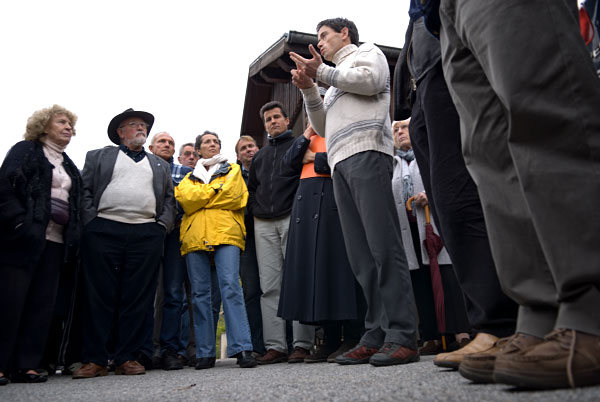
(295, 153)
(321, 164)
(13, 183)
(252, 183)
(169, 211)
(402, 80)
(88, 175)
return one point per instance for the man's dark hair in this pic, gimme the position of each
(270, 106)
(199, 138)
(337, 24)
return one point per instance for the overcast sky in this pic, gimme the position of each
(184, 61)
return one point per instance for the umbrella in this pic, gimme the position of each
(433, 244)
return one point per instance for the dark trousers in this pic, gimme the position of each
(174, 271)
(252, 293)
(454, 201)
(27, 295)
(528, 99)
(348, 330)
(362, 186)
(120, 264)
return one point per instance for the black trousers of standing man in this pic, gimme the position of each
(120, 269)
(454, 201)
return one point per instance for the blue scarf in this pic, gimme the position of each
(407, 183)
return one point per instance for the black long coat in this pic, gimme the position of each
(318, 284)
(25, 184)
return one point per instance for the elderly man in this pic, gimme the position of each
(172, 349)
(188, 155)
(354, 119)
(128, 207)
(245, 149)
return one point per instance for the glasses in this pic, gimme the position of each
(189, 153)
(135, 125)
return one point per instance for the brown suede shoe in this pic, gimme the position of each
(90, 370)
(479, 367)
(130, 367)
(566, 358)
(394, 353)
(298, 355)
(271, 357)
(482, 343)
(359, 354)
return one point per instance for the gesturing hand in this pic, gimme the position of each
(308, 66)
(301, 80)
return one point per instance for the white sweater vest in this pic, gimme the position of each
(129, 197)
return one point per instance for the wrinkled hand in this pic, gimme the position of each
(421, 199)
(301, 80)
(308, 66)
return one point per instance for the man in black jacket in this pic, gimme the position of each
(271, 187)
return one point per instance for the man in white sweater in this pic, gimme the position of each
(128, 207)
(354, 119)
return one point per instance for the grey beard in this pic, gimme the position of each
(138, 141)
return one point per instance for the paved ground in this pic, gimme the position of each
(286, 382)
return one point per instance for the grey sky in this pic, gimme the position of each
(184, 61)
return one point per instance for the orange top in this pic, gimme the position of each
(317, 144)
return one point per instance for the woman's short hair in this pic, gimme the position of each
(37, 123)
(199, 139)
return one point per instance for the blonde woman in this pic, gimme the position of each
(40, 194)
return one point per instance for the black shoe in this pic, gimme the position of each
(169, 360)
(245, 359)
(144, 360)
(22, 376)
(205, 363)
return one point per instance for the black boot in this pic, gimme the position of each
(205, 363)
(245, 359)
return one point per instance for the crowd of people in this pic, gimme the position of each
(320, 247)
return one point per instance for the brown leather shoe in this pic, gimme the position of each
(431, 348)
(90, 370)
(271, 357)
(479, 367)
(130, 367)
(566, 358)
(298, 355)
(482, 343)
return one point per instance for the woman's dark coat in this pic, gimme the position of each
(318, 284)
(25, 185)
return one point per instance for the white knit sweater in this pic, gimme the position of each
(354, 117)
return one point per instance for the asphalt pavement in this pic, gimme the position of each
(414, 382)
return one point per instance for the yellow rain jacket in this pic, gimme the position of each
(214, 212)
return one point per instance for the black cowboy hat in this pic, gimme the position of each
(116, 121)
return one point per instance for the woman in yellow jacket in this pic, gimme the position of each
(213, 197)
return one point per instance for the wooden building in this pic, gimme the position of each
(269, 79)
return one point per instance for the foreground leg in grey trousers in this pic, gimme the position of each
(363, 193)
(528, 104)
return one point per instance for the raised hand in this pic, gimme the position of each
(308, 66)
